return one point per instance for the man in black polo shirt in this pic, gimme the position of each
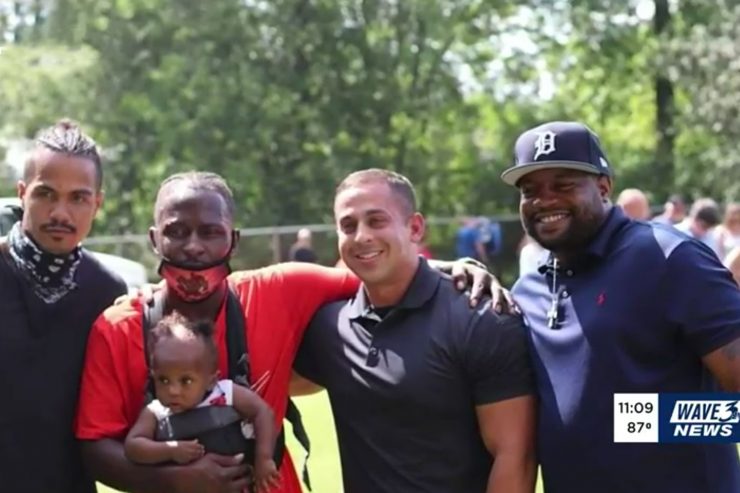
(52, 291)
(428, 394)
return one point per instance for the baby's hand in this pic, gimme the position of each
(266, 475)
(185, 452)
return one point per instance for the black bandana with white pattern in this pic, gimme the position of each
(52, 275)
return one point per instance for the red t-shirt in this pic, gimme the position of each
(278, 302)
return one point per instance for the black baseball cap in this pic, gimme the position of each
(568, 145)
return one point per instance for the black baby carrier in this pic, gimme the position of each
(219, 428)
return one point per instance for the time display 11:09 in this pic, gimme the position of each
(635, 408)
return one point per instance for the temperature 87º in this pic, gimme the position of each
(638, 426)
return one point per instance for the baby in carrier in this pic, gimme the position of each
(184, 370)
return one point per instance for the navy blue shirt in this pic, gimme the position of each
(404, 386)
(637, 312)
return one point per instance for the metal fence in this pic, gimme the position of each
(263, 246)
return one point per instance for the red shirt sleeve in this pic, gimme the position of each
(114, 365)
(279, 302)
(303, 287)
(309, 286)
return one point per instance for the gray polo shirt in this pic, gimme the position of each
(404, 387)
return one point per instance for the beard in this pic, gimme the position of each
(583, 224)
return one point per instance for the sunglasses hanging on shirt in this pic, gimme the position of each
(555, 313)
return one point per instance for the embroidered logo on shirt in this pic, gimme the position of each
(601, 298)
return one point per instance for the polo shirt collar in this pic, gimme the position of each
(598, 247)
(615, 220)
(421, 289)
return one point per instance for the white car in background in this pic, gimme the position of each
(133, 273)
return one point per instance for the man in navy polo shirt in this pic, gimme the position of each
(619, 306)
(428, 394)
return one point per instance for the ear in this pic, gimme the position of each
(417, 226)
(21, 189)
(235, 238)
(153, 240)
(605, 186)
(99, 200)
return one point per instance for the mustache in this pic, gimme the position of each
(58, 226)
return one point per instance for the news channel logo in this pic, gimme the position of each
(699, 418)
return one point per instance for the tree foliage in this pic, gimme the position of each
(707, 63)
(284, 97)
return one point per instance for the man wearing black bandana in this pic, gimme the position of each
(52, 291)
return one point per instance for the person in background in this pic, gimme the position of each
(302, 250)
(52, 291)
(704, 216)
(634, 203)
(727, 234)
(469, 241)
(674, 211)
(492, 240)
(732, 262)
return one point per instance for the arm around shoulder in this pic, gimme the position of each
(314, 285)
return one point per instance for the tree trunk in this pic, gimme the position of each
(664, 105)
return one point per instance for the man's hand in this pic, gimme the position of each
(213, 473)
(468, 273)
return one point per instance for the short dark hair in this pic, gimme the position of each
(66, 137)
(197, 180)
(399, 184)
(165, 329)
(707, 211)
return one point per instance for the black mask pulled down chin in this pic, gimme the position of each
(194, 284)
